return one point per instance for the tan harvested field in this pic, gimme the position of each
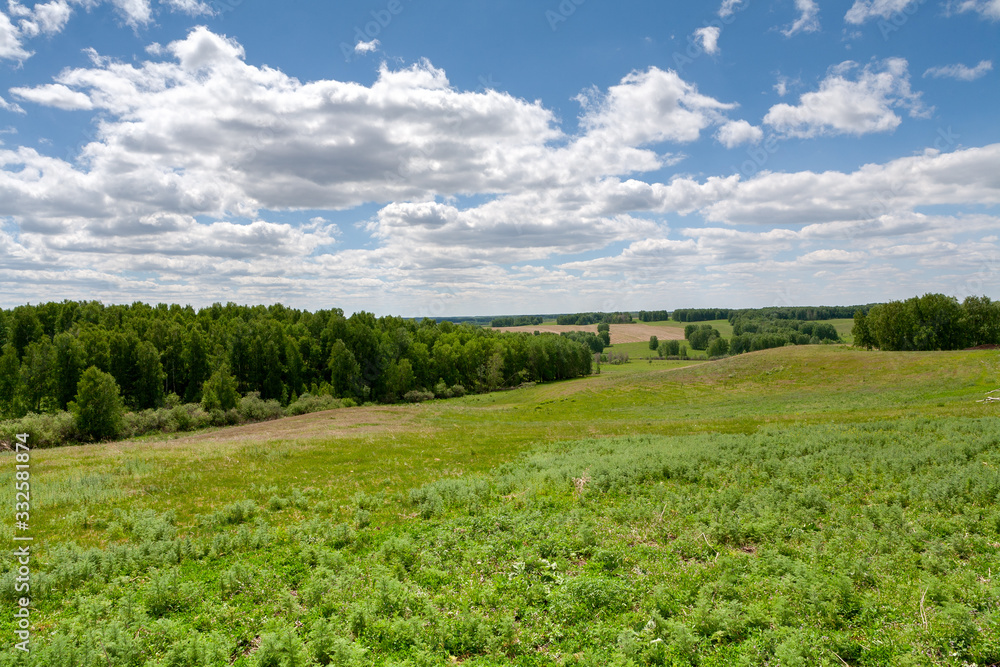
(620, 333)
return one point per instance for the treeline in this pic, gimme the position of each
(168, 355)
(521, 321)
(802, 313)
(582, 319)
(699, 314)
(751, 335)
(653, 316)
(929, 322)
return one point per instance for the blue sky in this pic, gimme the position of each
(418, 158)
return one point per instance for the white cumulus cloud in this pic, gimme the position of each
(851, 100)
(55, 95)
(738, 132)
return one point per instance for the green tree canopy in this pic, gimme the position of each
(219, 392)
(98, 407)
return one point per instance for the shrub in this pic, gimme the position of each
(233, 514)
(328, 648)
(718, 347)
(281, 649)
(417, 396)
(254, 409)
(196, 651)
(44, 430)
(307, 403)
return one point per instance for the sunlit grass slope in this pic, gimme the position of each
(807, 505)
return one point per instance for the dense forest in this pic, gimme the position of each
(801, 313)
(929, 322)
(172, 355)
(519, 321)
(583, 319)
(699, 314)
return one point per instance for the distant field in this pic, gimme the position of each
(811, 505)
(620, 333)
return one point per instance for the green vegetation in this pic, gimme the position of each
(929, 322)
(595, 318)
(594, 343)
(160, 357)
(653, 316)
(809, 505)
(699, 314)
(701, 335)
(98, 407)
(521, 321)
(761, 333)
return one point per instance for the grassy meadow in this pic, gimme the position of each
(814, 505)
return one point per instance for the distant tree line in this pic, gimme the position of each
(802, 313)
(582, 319)
(929, 322)
(520, 321)
(653, 316)
(699, 314)
(168, 354)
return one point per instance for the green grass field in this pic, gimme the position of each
(813, 505)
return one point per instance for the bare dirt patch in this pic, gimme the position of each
(620, 333)
(317, 425)
(329, 424)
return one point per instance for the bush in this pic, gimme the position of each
(328, 648)
(283, 649)
(254, 409)
(670, 348)
(308, 403)
(718, 347)
(47, 430)
(417, 396)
